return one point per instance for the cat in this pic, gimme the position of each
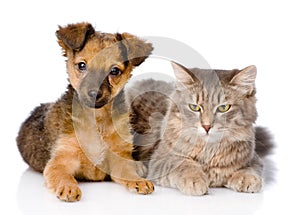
(199, 132)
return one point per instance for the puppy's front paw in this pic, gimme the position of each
(245, 182)
(68, 192)
(142, 186)
(195, 185)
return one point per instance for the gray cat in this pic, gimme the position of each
(199, 132)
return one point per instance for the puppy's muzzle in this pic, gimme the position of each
(95, 99)
(95, 94)
(94, 90)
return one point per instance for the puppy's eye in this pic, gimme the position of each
(115, 71)
(81, 66)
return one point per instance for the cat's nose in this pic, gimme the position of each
(206, 127)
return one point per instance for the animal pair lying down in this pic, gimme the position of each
(192, 134)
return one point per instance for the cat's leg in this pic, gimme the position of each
(181, 173)
(247, 179)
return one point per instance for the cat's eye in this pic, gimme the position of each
(194, 107)
(223, 108)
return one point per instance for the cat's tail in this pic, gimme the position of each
(264, 143)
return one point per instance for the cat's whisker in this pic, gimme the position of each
(206, 136)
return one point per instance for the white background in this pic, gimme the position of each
(228, 34)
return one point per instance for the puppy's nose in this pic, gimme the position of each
(95, 94)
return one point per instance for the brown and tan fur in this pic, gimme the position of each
(194, 150)
(85, 134)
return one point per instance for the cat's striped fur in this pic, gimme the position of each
(179, 148)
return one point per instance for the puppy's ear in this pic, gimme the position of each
(137, 49)
(74, 36)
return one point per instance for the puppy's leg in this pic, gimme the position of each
(124, 171)
(61, 168)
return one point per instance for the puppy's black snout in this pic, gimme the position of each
(95, 94)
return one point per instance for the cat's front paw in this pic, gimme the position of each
(193, 185)
(245, 182)
(141, 169)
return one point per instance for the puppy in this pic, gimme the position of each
(85, 134)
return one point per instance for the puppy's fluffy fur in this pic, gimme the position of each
(85, 133)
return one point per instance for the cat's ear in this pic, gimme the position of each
(244, 80)
(182, 74)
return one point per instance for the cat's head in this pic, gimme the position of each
(216, 104)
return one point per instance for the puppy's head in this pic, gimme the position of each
(99, 64)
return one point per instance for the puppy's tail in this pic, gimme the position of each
(264, 143)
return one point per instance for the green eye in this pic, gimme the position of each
(224, 108)
(195, 107)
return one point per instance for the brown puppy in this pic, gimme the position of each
(85, 134)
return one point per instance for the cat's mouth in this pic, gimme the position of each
(214, 137)
(214, 134)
